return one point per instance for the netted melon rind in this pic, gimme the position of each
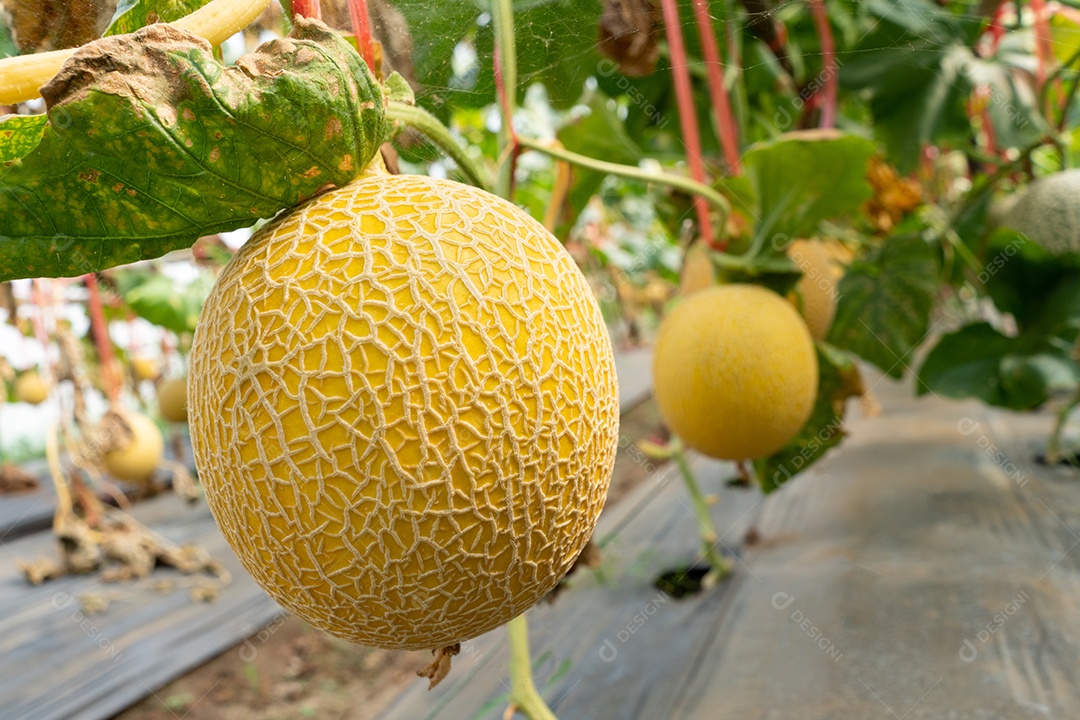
(1047, 211)
(404, 411)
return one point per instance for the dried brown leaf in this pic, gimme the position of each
(40, 25)
(629, 35)
(40, 570)
(437, 670)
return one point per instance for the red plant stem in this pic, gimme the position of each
(687, 115)
(307, 9)
(997, 28)
(1042, 41)
(101, 338)
(725, 121)
(828, 56)
(991, 136)
(361, 24)
(38, 318)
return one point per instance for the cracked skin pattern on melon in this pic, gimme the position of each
(404, 411)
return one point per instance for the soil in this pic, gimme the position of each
(291, 670)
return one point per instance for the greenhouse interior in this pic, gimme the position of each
(539, 359)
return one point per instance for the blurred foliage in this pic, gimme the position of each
(1021, 368)
(884, 303)
(163, 301)
(133, 14)
(8, 48)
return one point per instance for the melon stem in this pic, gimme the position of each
(1053, 446)
(719, 566)
(504, 69)
(679, 182)
(524, 696)
(423, 121)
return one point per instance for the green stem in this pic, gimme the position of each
(1058, 72)
(505, 59)
(719, 567)
(429, 125)
(1053, 446)
(525, 696)
(627, 171)
(523, 693)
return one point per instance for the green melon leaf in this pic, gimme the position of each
(914, 65)
(131, 15)
(162, 301)
(795, 200)
(8, 46)
(151, 143)
(885, 301)
(1013, 372)
(19, 134)
(965, 364)
(556, 45)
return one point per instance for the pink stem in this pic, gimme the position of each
(997, 28)
(361, 23)
(687, 117)
(725, 120)
(38, 318)
(828, 54)
(1042, 40)
(307, 9)
(101, 338)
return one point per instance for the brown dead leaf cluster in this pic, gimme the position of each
(894, 196)
(630, 34)
(121, 548)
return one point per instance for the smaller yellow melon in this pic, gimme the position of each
(840, 253)
(172, 400)
(815, 293)
(697, 270)
(137, 460)
(31, 388)
(735, 371)
(145, 368)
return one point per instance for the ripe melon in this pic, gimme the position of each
(735, 371)
(1047, 211)
(145, 368)
(404, 410)
(697, 270)
(136, 460)
(31, 388)
(815, 293)
(172, 400)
